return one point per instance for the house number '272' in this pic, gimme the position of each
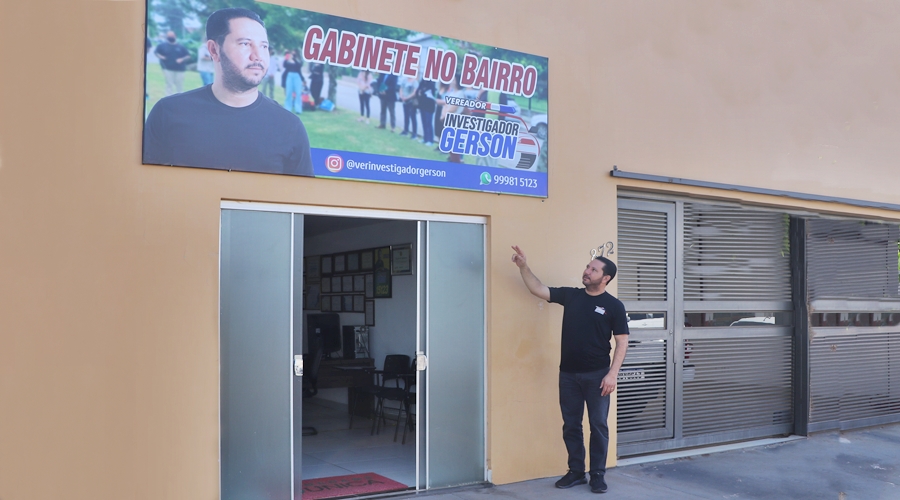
(604, 250)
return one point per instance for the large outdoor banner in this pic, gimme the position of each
(247, 86)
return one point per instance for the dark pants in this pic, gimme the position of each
(576, 389)
(438, 123)
(427, 126)
(315, 88)
(387, 107)
(364, 104)
(409, 119)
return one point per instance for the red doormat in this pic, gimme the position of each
(354, 484)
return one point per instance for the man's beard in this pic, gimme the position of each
(588, 279)
(234, 80)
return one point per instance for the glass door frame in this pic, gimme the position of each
(423, 347)
(234, 333)
(422, 462)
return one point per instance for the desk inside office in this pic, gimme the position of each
(350, 373)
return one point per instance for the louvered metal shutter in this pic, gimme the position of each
(852, 259)
(735, 254)
(643, 258)
(642, 396)
(854, 378)
(737, 381)
(854, 371)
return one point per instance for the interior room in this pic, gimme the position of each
(358, 307)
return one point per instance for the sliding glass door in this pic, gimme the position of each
(454, 340)
(256, 363)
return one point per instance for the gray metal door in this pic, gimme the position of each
(854, 318)
(721, 277)
(737, 334)
(646, 261)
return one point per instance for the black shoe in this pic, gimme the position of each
(598, 485)
(571, 478)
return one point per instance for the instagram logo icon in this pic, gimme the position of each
(334, 163)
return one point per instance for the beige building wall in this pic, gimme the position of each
(109, 268)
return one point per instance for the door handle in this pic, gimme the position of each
(421, 361)
(298, 365)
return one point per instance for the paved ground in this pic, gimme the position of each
(862, 464)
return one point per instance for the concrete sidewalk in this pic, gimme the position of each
(852, 465)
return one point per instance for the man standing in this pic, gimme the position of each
(590, 317)
(387, 96)
(408, 96)
(316, 81)
(229, 125)
(426, 99)
(173, 58)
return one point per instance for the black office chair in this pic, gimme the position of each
(310, 382)
(406, 405)
(391, 382)
(403, 376)
(380, 378)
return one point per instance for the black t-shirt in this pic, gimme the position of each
(387, 87)
(292, 67)
(425, 91)
(194, 129)
(172, 52)
(587, 327)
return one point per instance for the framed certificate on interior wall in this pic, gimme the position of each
(340, 261)
(383, 258)
(366, 260)
(359, 303)
(359, 283)
(336, 303)
(346, 284)
(352, 262)
(382, 284)
(370, 312)
(401, 259)
(335, 284)
(312, 298)
(326, 285)
(313, 268)
(325, 266)
(347, 303)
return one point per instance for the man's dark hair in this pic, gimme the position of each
(219, 23)
(609, 269)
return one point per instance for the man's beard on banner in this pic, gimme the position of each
(234, 80)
